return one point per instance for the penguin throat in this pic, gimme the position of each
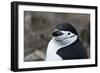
(66, 41)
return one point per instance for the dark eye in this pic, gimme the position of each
(68, 33)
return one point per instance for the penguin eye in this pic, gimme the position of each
(69, 33)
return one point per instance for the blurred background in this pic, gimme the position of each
(38, 27)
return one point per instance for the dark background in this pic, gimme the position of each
(38, 27)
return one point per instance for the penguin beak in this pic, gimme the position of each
(56, 33)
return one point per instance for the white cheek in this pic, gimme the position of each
(66, 33)
(64, 36)
(70, 35)
(60, 37)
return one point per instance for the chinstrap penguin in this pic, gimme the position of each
(65, 44)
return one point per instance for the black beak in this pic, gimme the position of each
(56, 33)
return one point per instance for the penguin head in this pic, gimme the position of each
(65, 32)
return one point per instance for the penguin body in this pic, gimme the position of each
(65, 44)
(74, 51)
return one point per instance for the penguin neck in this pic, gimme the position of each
(53, 45)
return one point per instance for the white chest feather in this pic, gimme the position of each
(51, 51)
